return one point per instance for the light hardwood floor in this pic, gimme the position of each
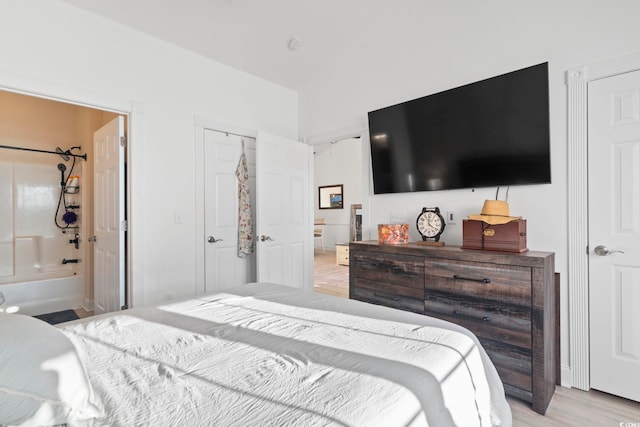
(82, 313)
(329, 277)
(568, 407)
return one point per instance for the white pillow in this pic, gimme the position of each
(42, 380)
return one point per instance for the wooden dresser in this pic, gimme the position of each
(507, 299)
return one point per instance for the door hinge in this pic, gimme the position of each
(123, 141)
(124, 225)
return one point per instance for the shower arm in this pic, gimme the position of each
(82, 156)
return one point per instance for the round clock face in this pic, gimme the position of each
(430, 224)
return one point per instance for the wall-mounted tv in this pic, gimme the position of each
(489, 133)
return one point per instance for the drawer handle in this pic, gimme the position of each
(386, 297)
(457, 313)
(471, 279)
(384, 265)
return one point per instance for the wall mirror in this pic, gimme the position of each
(330, 197)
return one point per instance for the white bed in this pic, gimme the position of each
(262, 354)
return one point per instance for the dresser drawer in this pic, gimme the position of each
(390, 268)
(390, 295)
(513, 364)
(485, 318)
(507, 340)
(484, 281)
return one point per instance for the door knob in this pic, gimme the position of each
(212, 239)
(602, 250)
(264, 238)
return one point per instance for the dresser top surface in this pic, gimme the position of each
(529, 258)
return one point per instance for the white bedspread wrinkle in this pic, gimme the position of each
(268, 355)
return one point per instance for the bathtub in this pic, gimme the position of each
(43, 296)
(40, 283)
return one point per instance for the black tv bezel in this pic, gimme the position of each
(545, 177)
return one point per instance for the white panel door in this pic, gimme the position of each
(108, 250)
(223, 266)
(284, 226)
(614, 234)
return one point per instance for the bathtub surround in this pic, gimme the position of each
(6, 219)
(32, 248)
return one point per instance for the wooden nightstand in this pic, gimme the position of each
(342, 253)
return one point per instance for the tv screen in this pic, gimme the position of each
(490, 133)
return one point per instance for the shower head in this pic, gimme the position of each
(62, 168)
(62, 154)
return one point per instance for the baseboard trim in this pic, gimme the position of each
(566, 376)
(87, 304)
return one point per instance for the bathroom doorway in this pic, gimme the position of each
(46, 261)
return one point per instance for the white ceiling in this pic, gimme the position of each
(250, 35)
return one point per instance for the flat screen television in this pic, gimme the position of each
(494, 132)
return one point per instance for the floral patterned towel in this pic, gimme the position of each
(245, 235)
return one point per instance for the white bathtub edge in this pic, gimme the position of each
(45, 296)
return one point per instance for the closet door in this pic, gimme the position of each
(223, 266)
(284, 227)
(614, 234)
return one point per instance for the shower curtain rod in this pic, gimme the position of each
(84, 156)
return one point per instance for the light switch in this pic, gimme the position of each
(451, 218)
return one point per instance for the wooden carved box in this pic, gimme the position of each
(509, 237)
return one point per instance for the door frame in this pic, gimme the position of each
(202, 123)
(577, 80)
(134, 110)
(361, 131)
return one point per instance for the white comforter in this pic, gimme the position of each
(263, 354)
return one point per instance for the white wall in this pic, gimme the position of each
(54, 49)
(334, 164)
(434, 46)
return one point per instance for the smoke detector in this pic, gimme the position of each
(294, 43)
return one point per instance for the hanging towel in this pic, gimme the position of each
(245, 226)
